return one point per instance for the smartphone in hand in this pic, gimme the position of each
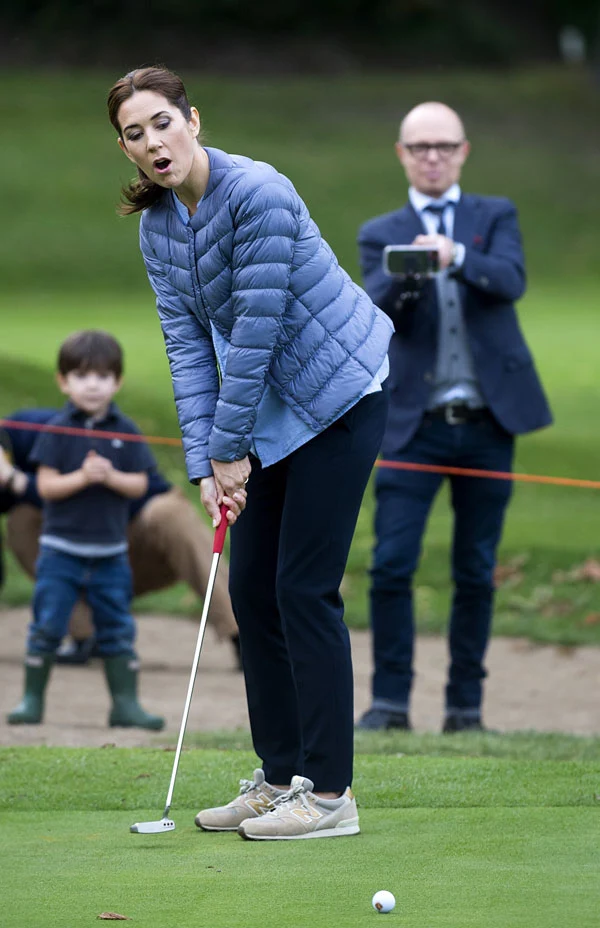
(418, 262)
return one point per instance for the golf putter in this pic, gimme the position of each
(166, 823)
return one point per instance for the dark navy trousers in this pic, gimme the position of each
(404, 500)
(287, 560)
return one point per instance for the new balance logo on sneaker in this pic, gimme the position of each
(298, 813)
(255, 798)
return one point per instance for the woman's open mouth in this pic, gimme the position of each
(162, 165)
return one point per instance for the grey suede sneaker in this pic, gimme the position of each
(298, 813)
(255, 798)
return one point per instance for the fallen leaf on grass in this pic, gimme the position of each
(509, 573)
(114, 916)
(592, 619)
(505, 577)
(589, 570)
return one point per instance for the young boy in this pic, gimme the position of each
(86, 483)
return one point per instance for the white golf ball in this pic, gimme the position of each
(383, 901)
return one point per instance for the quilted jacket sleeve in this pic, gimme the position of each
(266, 223)
(193, 365)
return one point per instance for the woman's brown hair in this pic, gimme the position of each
(142, 192)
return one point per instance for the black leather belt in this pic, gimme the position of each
(458, 413)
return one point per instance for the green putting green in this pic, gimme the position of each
(460, 841)
(452, 868)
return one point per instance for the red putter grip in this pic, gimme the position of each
(221, 531)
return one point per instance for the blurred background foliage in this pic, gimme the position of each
(333, 35)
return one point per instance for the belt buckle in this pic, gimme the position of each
(450, 415)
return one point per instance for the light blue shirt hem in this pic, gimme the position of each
(82, 550)
(278, 431)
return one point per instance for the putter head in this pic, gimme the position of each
(153, 828)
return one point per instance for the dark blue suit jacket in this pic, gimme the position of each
(490, 280)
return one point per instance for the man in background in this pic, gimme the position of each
(168, 541)
(462, 385)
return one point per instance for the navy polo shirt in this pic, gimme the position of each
(96, 516)
(19, 445)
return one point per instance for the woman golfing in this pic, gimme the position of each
(278, 361)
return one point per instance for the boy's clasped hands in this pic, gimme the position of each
(96, 468)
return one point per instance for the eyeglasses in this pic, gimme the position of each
(445, 150)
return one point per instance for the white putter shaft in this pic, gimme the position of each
(166, 823)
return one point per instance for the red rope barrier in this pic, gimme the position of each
(492, 474)
(396, 465)
(89, 433)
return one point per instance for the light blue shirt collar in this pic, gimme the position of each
(420, 201)
(181, 209)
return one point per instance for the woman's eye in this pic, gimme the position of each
(134, 136)
(163, 125)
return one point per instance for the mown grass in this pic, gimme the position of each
(406, 771)
(535, 138)
(460, 840)
(446, 867)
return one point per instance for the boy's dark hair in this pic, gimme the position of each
(90, 350)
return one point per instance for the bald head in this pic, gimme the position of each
(431, 118)
(432, 148)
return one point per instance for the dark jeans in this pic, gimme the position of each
(105, 584)
(404, 499)
(288, 554)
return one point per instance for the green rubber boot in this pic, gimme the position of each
(30, 710)
(121, 676)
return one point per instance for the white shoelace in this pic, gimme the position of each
(291, 795)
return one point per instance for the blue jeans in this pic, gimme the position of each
(105, 584)
(404, 500)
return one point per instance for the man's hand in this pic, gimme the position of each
(96, 468)
(6, 468)
(442, 244)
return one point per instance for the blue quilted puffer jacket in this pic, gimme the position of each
(252, 263)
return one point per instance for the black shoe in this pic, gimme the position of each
(384, 720)
(454, 723)
(77, 652)
(235, 641)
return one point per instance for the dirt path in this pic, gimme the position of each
(529, 687)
